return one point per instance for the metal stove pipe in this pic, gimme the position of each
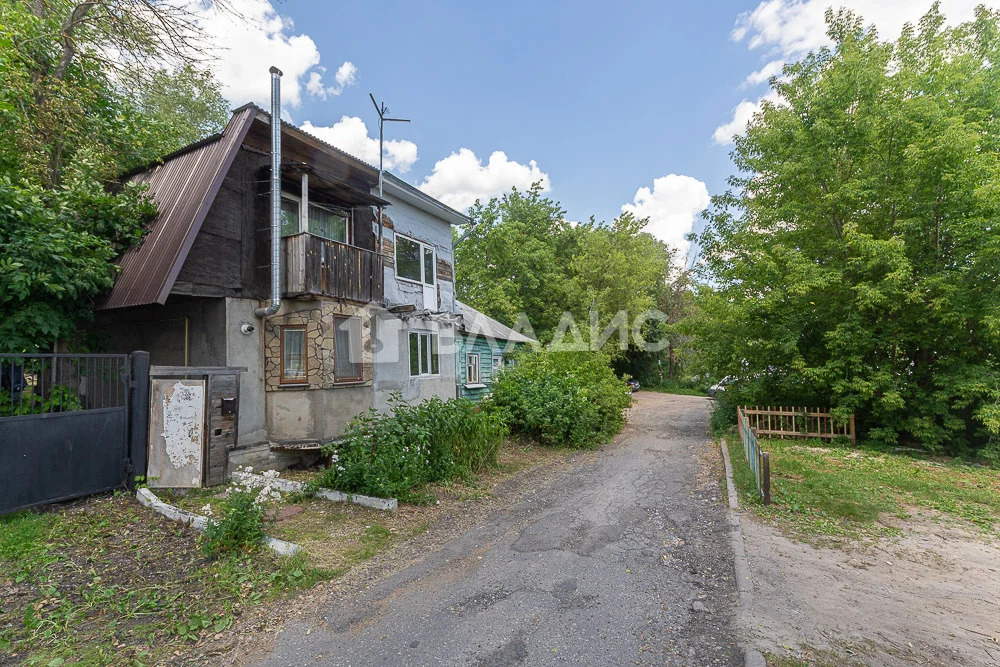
(275, 197)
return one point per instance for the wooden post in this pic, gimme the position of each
(765, 477)
(854, 434)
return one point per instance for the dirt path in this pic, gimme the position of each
(928, 597)
(616, 557)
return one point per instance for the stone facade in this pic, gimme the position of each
(317, 318)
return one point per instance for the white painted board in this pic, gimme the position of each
(176, 433)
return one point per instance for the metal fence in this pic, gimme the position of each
(33, 384)
(759, 461)
(66, 425)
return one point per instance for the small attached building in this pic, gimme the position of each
(484, 348)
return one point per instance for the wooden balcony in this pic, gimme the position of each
(318, 266)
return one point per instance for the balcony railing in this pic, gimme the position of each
(315, 265)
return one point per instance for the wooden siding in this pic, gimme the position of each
(317, 266)
(481, 346)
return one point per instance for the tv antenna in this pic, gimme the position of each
(383, 117)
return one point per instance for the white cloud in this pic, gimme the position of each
(461, 178)
(672, 207)
(743, 113)
(246, 44)
(350, 134)
(347, 75)
(765, 73)
(792, 27)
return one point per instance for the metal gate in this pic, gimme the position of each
(66, 425)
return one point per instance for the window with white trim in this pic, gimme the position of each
(414, 260)
(472, 375)
(497, 365)
(424, 359)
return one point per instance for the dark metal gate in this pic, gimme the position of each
(67, 427)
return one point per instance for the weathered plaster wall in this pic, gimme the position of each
(314, 414)
(246, 351)
(392, 361)
(412, 222)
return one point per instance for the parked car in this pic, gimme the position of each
(633, 385)
(719, 386)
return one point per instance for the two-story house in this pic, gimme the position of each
(367, 308)
(189, 291)
(416, 339)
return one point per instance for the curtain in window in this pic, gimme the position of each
(326, 223)
(347, 348)
(293, 360)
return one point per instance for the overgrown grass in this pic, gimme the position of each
(837, 492)
(107, 582)
(676, 387)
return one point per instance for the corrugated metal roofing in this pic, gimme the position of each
(183, 187)
(476, 323)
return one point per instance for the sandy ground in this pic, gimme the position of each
(930, 596)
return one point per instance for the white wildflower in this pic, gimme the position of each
(207, 510)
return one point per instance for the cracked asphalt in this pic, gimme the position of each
(623, 558)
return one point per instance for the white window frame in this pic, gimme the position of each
(423, 267)
(298, 202)
(469, 379)
(497, 366)
(422, 349)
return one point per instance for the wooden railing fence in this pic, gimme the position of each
(792, 422)
(759, 461)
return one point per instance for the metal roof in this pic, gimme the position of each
(475, 323)
(183, 187)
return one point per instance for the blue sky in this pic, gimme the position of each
(597, 100)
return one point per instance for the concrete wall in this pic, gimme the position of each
(175, 334)
(246, 351)
(422, 226)
(314, 414)
(392, 361)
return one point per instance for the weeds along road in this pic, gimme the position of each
(620, 559)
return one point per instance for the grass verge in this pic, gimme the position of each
(106, 581)
(822, 491)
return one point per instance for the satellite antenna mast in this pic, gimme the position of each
(382, 110)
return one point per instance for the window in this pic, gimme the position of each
(414, 260)
(347, 365)
(472, 369)
(497, 365)
(294, 363)
(424, 354)
(328, 223)
(325, 221)
(289, 215)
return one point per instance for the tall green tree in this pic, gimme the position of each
(522, 256)
(855, 259)
(88, 90)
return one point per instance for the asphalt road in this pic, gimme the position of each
(622, 559)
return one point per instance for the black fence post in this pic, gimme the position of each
(138, 430)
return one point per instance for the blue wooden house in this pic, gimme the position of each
(483, 348)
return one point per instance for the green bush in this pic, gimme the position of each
(562, 398)
(245, 514)
(388, 455)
